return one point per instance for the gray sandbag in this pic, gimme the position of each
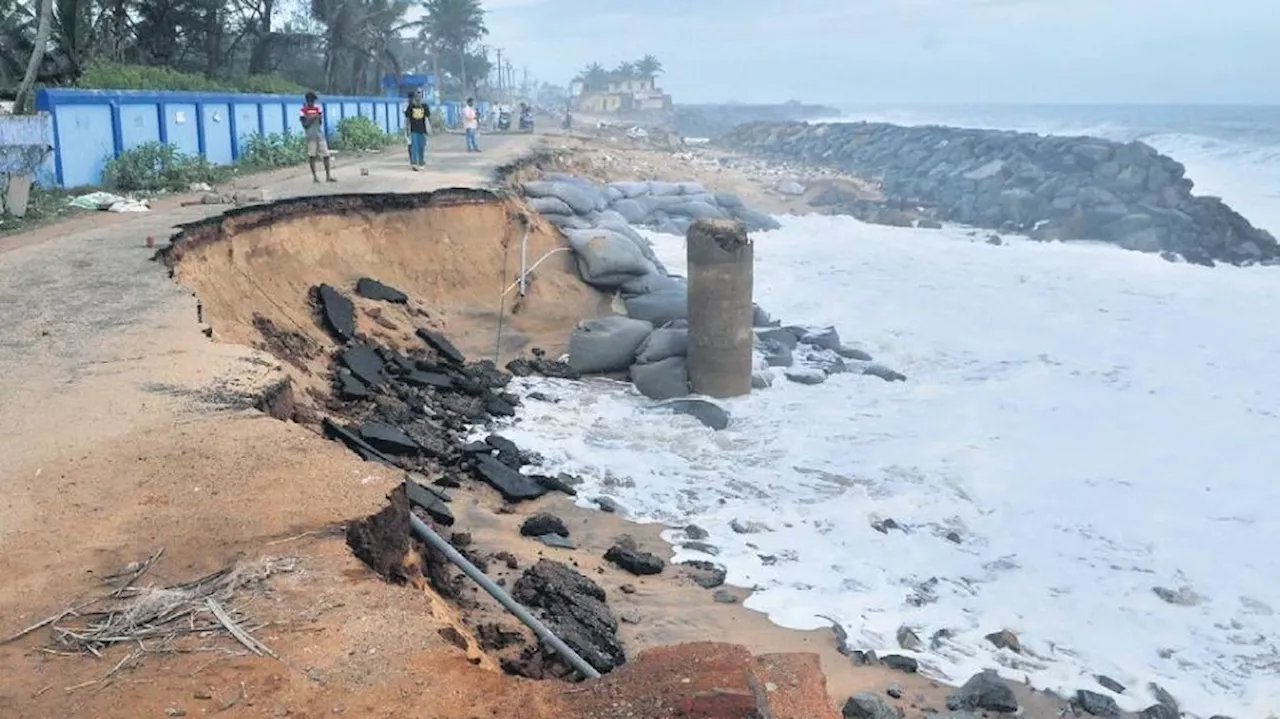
(665, 379)
(630, 189)
(652, 204)
(660, 308)
(580, 197)
(664, 189)
(610, 218)
(706, 197)
(607, 344)
(631, 210)
(568, 222)
(691, 188)
(672, 226)
(729, 200)
(652, 282)
(550, 206)
(603, 253)
(670, 340)
(697, 211)
(755, 221)
(613, 194)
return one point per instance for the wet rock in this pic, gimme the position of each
(907, 639)
(884, 525)
(442, 345)
(884, 373)
(606, 504)
(788, 337)
(1097, 704)
(693, 531)
(853, 353)
(724, 596)
(751, 527)
(1162, 696)
(708, 413)
(705, 574)
(388, 439)
(372, 289)
(777, 354)
(1182, 596)
(337, 312)
(927, 224)
(1109, 683)
(894, 690)
(761, 380)
(365, 364)
(826, 338)
(513, 486)
(557, 541)
(1005, 639)
(806, 376)
(634, 560)
(543, 523)
(556, 483)
(865, 705)
(574, 607)
(900, 663)
(703, 547)
(996, 240)
(986, 691)
(1159, 711)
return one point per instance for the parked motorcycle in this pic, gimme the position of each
(526, 121)
(504, 120)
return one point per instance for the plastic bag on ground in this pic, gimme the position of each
(665, 379)
(607, 344)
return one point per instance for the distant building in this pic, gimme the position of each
(633, 94)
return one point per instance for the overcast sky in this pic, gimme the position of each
(899, 51)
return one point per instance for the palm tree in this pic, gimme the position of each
(649, 67)
(453, 25)
(20, 101)
(594, 77)
(625, 71)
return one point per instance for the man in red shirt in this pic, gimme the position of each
(312, 119)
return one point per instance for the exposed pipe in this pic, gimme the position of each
(519, 282)
(428, 535)
(524, 248)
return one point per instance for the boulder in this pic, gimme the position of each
(634, 561)
(984, 691)
(607, 344)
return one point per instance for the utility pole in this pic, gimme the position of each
(499, 73)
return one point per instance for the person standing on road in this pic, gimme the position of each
(417, 118)
(471, 125)
(312, 119)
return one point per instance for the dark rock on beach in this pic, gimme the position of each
(442, 345)
(1097, 704)
(543, 523)
(513, 485)
(866, 705)
(1048, 187)
(372, 289)
(986, 691)
(633, 560)
(574, 607)
(900, 663)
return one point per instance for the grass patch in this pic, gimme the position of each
(47, 204)
(104, 75)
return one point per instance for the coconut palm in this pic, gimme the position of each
(453, 26)
(594, 77)
(649, 67)
(625, 71)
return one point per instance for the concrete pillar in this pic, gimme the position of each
(720, 311)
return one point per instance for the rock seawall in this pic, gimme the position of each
(714, 120)
(1049, 187)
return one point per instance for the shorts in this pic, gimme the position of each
(317, 147)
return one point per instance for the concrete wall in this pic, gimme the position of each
(87, 127)
(25, 145)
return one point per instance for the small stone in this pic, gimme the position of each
(543, 523)
(1159, 711)
(701, 547)
(724, 596)
(629, 617)
(1182, 597)
(985, 690)
(633, 560)
(865, 705)
(202, 695)
(606, 504)
(995, 240)
(900, 663)
(806, 376)
(894, 691)
(953, 536)
(884, 373)
(751, 527)
(693, 531)
(1109, 683)
(907, 639)
(174, 712)
(557, 541)
(705, 574)
(1005, 639)
(1097, 704)
(627, 589)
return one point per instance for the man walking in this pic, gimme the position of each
(471, 124)
(312, 119)
(417, 117)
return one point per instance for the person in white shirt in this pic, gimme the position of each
(471, 125)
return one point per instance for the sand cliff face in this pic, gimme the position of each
(1052, 188)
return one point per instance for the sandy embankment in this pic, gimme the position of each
(222, 482)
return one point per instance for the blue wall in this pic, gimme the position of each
(89, 126)
(25, 139)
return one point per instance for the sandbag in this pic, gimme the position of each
(755, 221)
(706, 197)
(666, 379)
(610, 218)
(580, 197)
(660, 308)
(568, 222)
(697, 211)
(652, 282)
(630, 189)
(671, 340)
(691, 188)
(613, 194)
(604, 254)
(659, 203)
(550, 206)
(630, 210)
(729, 200)
(664, 189)
(607, 344)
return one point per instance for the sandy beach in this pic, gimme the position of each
(132, 425)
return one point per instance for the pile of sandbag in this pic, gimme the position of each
(577, 203)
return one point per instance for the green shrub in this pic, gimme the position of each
(264, 152)
(153, 167)
(104, 75)
(354, 134)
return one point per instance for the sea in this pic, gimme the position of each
(1086, 451)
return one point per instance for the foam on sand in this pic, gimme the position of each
(1082, 425)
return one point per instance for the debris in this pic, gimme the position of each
(633, 560)
(441, 344)
(338, 312)
(372, 289)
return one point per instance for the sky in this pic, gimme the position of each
(911, 51)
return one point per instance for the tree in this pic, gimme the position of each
(23, 97)
(625, 71)
(450, 28)
(594, 77)
(648, 67)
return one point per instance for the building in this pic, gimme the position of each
(632, 94)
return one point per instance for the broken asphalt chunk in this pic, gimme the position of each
(338, 312)
(513, 486)
(372, 289)
(430, 501)
(441, 344)
(419, 378)
(385, 438)
(351, 388)
(353, 441)
(365, 364)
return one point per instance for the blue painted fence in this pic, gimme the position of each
(90, 126)
(26, 143)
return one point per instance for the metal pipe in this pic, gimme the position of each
(428, 535)
(524, 247)
(528, 272)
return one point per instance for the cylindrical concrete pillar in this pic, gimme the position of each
(721, 275)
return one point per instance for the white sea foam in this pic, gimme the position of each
(1091, 423)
